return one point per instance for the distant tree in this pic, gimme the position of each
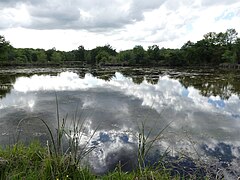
(189, 52)
(88, 57)
(125, 56)
(28, 53)
(80, 53)
(172, 57)
(237, 50)
(49, 53)
(153, 53)
(231, 36)
(213, 49)
(187, 45)
(203, 52)
(91, 59)
(211, 38)
(4, 49)
(138, 54)
(20, 56)
(41, 56)
(56, 57)
(69, 56)
(229, 56)
(222, 39)
(109, 49)
(102, 57)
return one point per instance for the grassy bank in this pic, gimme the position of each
(35, 162)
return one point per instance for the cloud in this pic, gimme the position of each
(8, 3)
(207, 3)
(90, 15)
(123, 24)
(13, 3)
(14, 17)
(139, 7)
(166, 93)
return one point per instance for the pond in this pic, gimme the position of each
(195, 112)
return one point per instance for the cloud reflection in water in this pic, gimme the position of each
(121, 105)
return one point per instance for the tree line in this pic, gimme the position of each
(213, 49)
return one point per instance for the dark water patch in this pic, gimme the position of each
(222, 152)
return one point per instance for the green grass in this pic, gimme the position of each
(35, 162)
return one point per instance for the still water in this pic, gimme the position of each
(198, 111)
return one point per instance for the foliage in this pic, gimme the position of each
(4, 49)
(56, 57)
(138, 55)
(213, 49)
(102, 57)
(153, 53)
(125, 56)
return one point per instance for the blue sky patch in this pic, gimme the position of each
(217, 103)
(185, 92)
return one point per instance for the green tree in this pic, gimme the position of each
(109, 49)
(88, 57)
(139, 55)
(69, 56)
(153, 54)
(80, 53)
(228, 56)
(125, 56)
(4, 49)
(211, 38)
(56, 57)
(231, 36)
(237, 50)
(29, 54)
(20, 56)
(189, 52)
(49, 53)
(103, 57)
(41, 56)
(91, 59)
(222, 39)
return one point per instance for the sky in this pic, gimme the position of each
(67, 24)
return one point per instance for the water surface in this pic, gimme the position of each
(201, 108)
